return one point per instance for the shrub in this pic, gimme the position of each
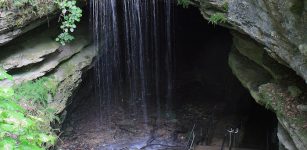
(36, 91)
(70, 14)
(18, 129)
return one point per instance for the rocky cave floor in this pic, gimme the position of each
(174, 130)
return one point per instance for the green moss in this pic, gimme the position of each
(276, 99)
(271, 100)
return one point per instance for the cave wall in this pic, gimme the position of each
(269, 57)
(36, 54)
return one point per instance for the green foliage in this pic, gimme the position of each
(217, 18)
(36, 91)
(184, 3)
(24, 9)
(4, 75)
(71, 14)
(19, 130)
(6, 92)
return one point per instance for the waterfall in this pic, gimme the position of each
(134, 66)
(106, 41)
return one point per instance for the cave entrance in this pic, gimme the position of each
(207, 101)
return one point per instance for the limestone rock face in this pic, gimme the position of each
(36, 55)
(268, 57)
(280, 26)
(277, 94)
(69, 75)
(15, 22)
(28, 52)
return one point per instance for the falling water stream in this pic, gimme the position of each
(134, 42)
(133, 38)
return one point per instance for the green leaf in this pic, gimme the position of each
(71, 14)
(7, 128)
(6, 93)
(10, 105)
(18, 120)
(28, 146)
(4, 75)
(7, 144)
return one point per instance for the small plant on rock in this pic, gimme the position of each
(70, 15)
(217, 18)
(36, 91)
(24, 10)
(184, 3)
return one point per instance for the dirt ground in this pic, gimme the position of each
(173, 131)
(197, 119)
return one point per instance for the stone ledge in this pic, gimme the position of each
(69, 74)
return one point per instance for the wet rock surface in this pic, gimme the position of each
(275, 51)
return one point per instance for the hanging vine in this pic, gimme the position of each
(71, 14)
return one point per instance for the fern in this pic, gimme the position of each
(217, 18)
(36, 91)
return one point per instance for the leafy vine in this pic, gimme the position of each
(71, 14)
